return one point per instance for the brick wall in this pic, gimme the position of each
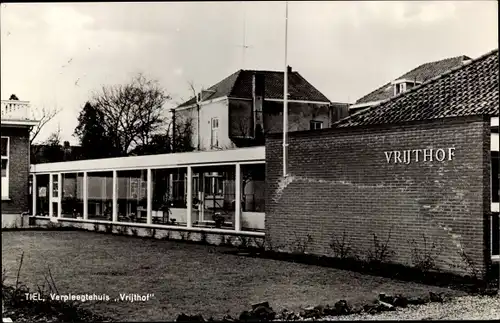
(18, 171)
(341, 185)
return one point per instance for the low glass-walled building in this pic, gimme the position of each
(190, 190)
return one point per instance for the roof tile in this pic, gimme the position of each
(420, 74)
(239, 85)
(467, 90)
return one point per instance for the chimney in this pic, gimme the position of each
(289, 69)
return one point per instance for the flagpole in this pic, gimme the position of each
(285, 99)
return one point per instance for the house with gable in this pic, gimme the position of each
(407, 81)
(239, 110)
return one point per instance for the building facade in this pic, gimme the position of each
(15, 146)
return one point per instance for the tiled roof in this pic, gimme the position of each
(239, 85)
(467, 90)
(221, 89)
(420, 74)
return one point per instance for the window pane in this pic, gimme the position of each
(72, 195)
(215, 200)
(169, 196)
(4, 167)
(494, 177)
(132, 196)
(100, 195)
(5, 142)
(42, 188)
(55, 186)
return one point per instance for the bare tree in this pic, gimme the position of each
(132, 113)
(43, 116)
(49, 150)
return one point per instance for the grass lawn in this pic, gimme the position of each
(194, 279)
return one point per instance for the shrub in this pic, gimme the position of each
(380, 252)
(243, 242)
(423, 258)
(340, 247)
(300, 244)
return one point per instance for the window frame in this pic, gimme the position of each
(495, 196)
(5, 180)
(214, 132)
(399, 88)
(314, 123)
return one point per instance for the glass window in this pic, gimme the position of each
(42, 198)
(100, 195)
(169, 196)
(132, 196)
(316, 125)
(214, 140)
(72, 195)
(494, 177)
(55, 186)
(4, 147)
(5, 166)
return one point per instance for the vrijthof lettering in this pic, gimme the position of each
(419, 155)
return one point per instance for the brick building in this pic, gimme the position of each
(417, 173)
(15, 146)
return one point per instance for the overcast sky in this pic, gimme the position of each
(345, 49)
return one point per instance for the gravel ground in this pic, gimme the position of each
(460, 308)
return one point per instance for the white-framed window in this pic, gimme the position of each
(5, 147)
(214, 138)
(214, 184)
(316, 125)
(399, 88)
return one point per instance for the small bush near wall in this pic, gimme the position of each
(341, 246)
(299, 246)
(423, 255)
(380, 251)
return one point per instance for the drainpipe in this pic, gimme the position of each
(173, 129)
(285, 99)
(198, 111)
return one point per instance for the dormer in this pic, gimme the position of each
(403, 85)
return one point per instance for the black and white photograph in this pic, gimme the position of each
(250, 161)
